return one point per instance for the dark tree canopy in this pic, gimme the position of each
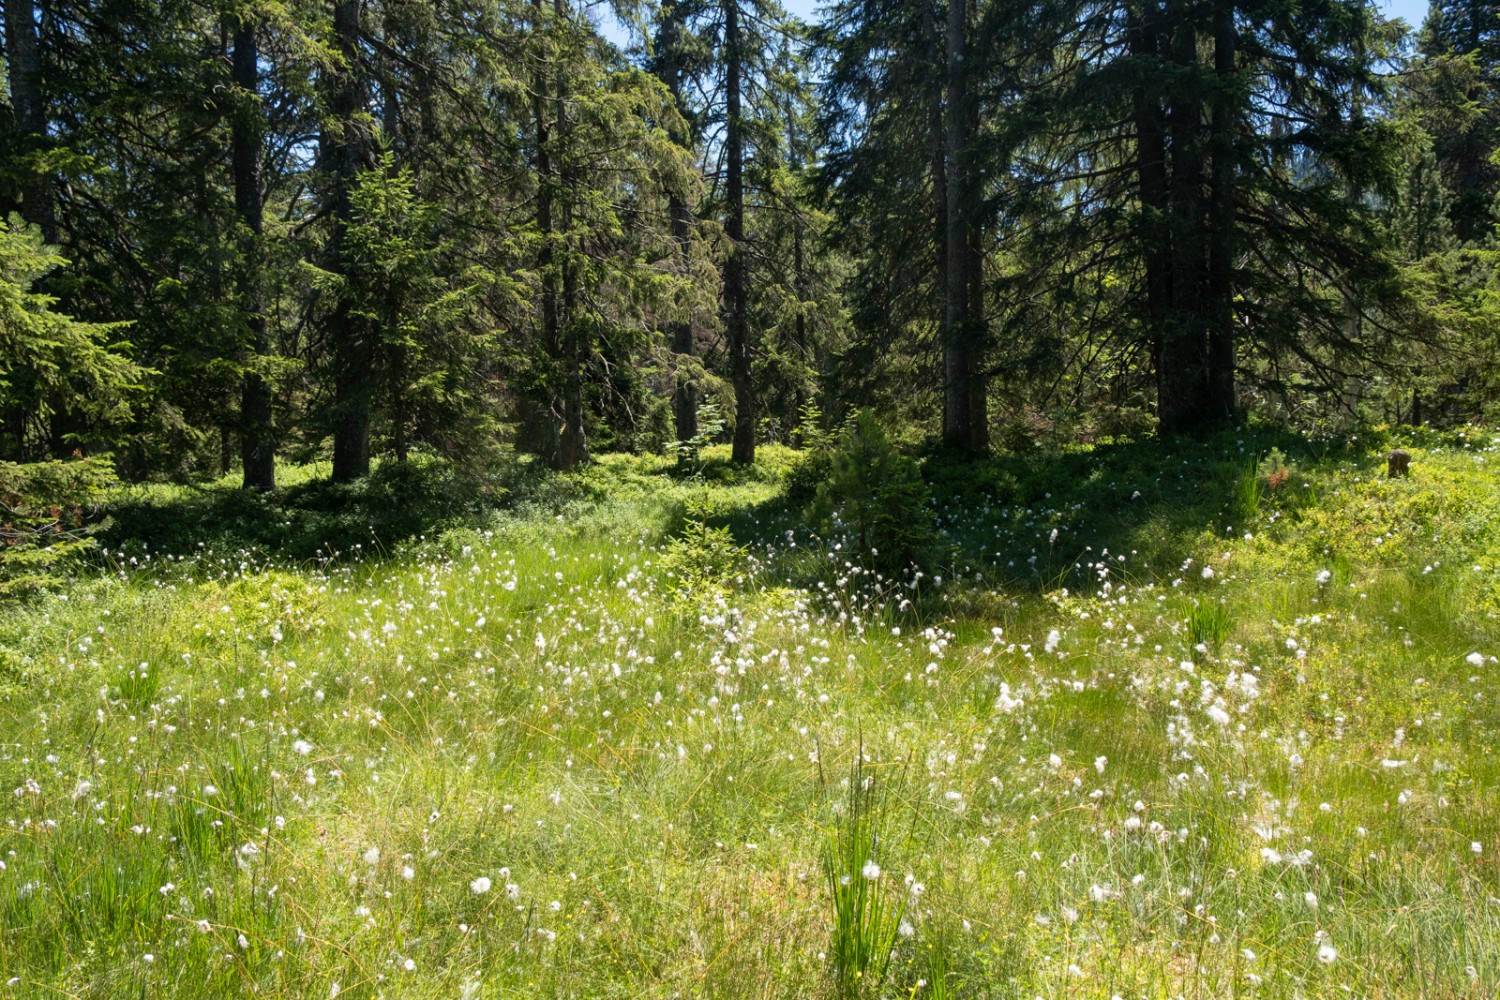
(358, 230)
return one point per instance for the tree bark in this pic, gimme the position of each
(257, 433)
(680, 217)
(539, 416)
(346, 149)
(573, 353)
(735, 294)
(938, 134)
(24, 61)
(1221, 217)
(1182, 375)
(957, 332)
(1144, 31)
(978, 330)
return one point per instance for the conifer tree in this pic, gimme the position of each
(1460, 46)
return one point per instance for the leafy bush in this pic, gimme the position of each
(49, 512)
(876, 493)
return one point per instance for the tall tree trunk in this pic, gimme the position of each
(347, 151)
(400, 407)
(685, 394)
(957, 333)
(1472, 219)
(1182, 376)
(680, 217)
(1155, 236)
(539, 416)
(1221, 218)
(257, 434)
(799, 325)
(24, 63)
(978, 331)
(735, 294)
(938, 154)
(573, 354)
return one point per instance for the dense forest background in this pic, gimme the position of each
(250, 231)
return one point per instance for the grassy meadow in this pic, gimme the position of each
(1156, 720)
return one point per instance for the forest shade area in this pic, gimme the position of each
(243, 232)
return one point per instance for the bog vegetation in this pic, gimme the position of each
(1204, 719)
(520, 498)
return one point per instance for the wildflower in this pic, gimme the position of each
(372, 856)
(1005, 702)
(302, 747)
(1324, 576)
(871, 870)
(1327, 954)
(1475, 659)
(480, 886)
(409, 965)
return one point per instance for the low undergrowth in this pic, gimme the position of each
(1132, 728)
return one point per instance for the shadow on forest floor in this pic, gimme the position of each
(313, 518)
(1025, 520)
(1032, 521)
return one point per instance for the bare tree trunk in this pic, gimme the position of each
(539, 416)
(573, 353)
(937, 63)
(799, 325)
(735, 296)
(347, 152)
(1144, 30)
(957, 329)
(257, 433)
(680, 216)
(979, 407)
(977, 334)
(24, 61)
(1221, 228)
(1182, 376)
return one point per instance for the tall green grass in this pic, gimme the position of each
(322, 761)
